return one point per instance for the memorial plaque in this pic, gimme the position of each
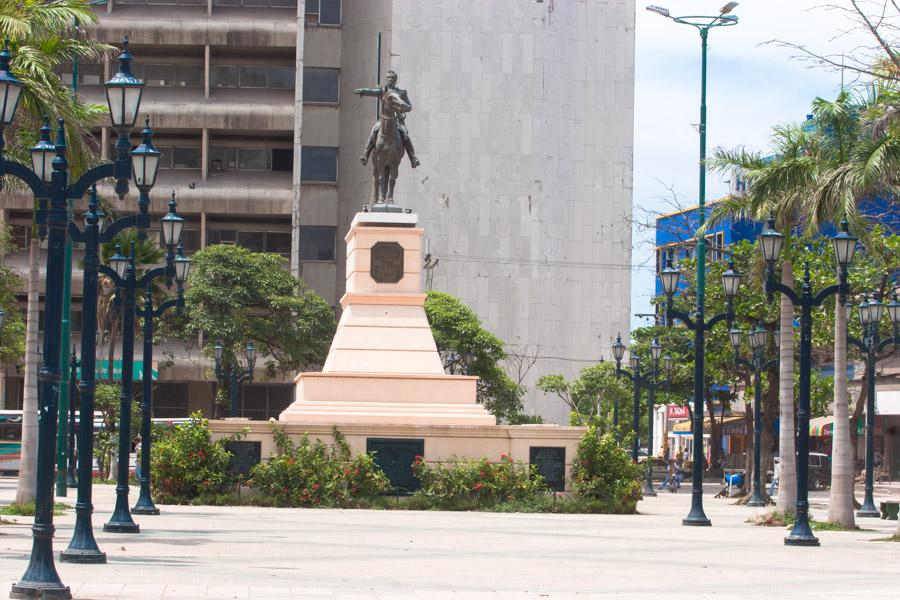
(387, 262)
(551, 465)
(395, 457)
(244, 456)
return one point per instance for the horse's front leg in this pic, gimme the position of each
(393, 180)
(376, 167)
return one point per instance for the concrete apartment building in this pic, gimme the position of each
(522, 119)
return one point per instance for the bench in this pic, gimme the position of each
(889, 510)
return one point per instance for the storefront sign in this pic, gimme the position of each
(677, 411)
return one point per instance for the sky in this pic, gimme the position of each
(751, 87)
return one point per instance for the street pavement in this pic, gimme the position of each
(191, 552)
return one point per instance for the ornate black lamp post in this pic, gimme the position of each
(731, 281)
(182, 266)
(870, 314)
(124, 275)
(770, 243)
(48, 180)
(235, 375)
(756, 366)
(651, 382)
(635, 377)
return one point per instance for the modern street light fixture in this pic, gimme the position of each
(731, 281)
(703, 24)
(770, 242)
(871, 345)
(237, 375)
(179, 268)
(53, 193)
(651, 382)
(756, 365)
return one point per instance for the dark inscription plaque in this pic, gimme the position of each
(244, 456)
(387, 262)
(551, 465)
(395, 457)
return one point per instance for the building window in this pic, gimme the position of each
(323, 12)
(282, 78)
(318, 165)
(185, 158)
(223, 159)
(252, 77)
(321, 85)
(255, 241)
(264, 401)
(170, 400)
(317, 242)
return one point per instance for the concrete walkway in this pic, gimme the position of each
(272, 554)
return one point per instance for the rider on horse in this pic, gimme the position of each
(391, 84)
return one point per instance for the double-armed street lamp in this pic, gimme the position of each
(124, 274)
(235, 374)
(870, 313)
(48, 179)
(770, 243)
(731, 281)
(651, 382)
(757, 364)
(179, 267)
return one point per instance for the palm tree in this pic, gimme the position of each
(858, 162)
(42, 36)
(776, 188)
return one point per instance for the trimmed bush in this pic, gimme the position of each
(186, 463)
(313, 474)
(603, 471)
(473, 484)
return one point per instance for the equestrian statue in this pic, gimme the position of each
(389, 138)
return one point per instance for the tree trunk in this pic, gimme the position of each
(787, 484)
(840, 508)
(28, 461)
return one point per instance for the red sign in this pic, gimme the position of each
(677, 411)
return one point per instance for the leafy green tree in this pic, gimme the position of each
(12, 336)
(42, 36)
(592, 395)
(236, 296)
(459, 334)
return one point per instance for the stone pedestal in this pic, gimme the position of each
(383, 366)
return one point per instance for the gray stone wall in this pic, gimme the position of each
(523, 119)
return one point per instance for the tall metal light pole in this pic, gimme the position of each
(180, 268)
(756, 366)
(870, 314)
(703, 24)
(48, 179)
(770, 243)
(635, 377)
(731, 281)
(651, 382)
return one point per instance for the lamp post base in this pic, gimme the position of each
(121, 527)
(94, 557)
(144, 510)
(799, 540)
(696, 522)
(873, 513)
(25, 589)
(648, 489)
(756, 500)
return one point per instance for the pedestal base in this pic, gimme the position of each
(83, 556)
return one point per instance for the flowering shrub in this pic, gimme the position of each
(603, 471)
(312, 474)
(473, 483)
(186, 462)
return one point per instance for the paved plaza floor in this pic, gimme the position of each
(192, 552)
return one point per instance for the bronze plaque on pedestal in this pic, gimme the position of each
(387, 262)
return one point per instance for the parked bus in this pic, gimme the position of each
(10, 441)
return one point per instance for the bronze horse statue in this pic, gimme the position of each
(388, 150)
